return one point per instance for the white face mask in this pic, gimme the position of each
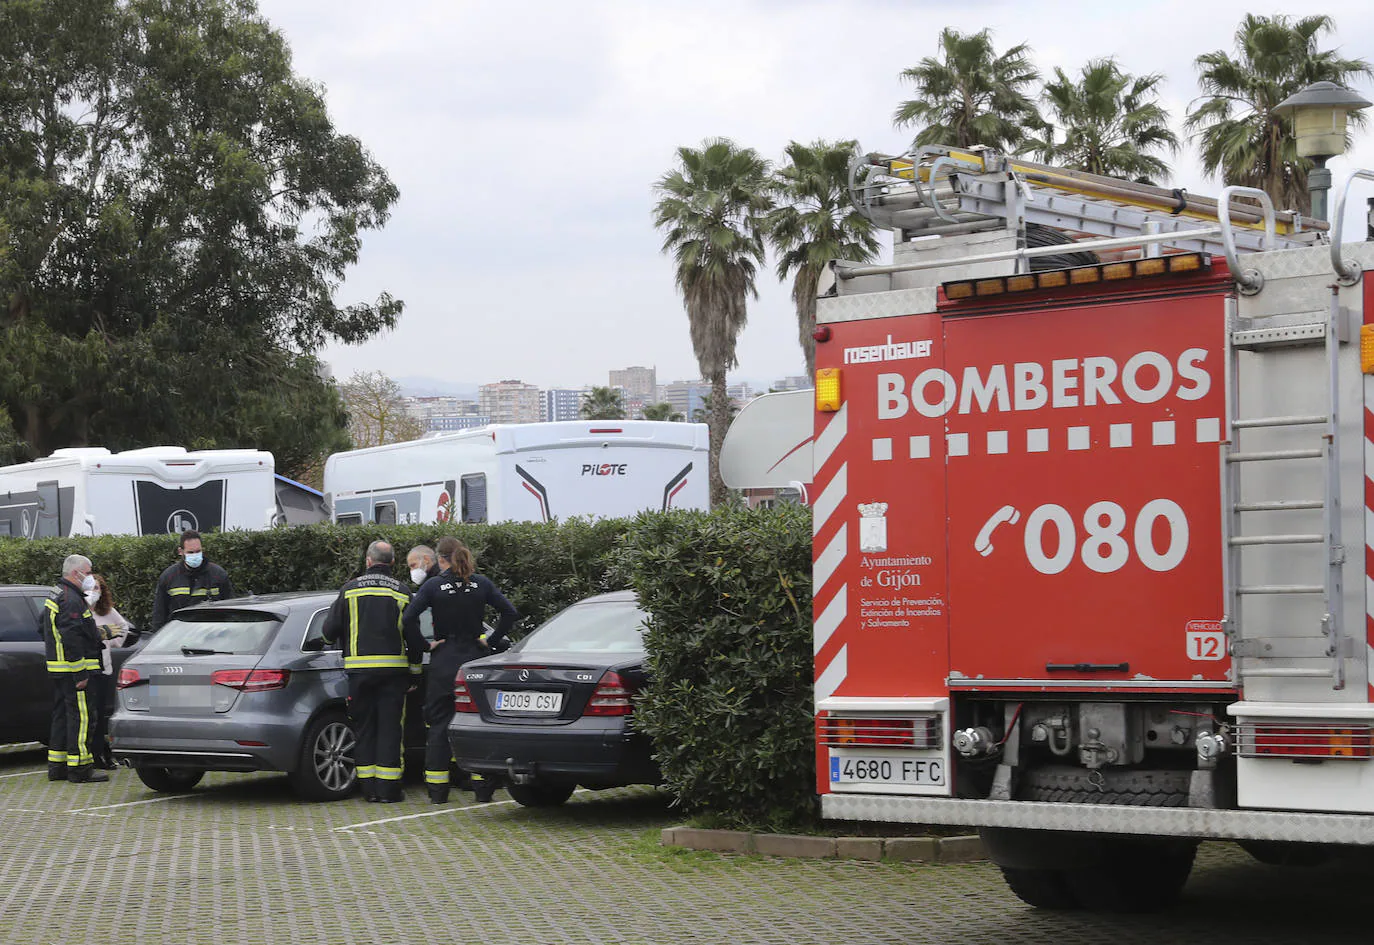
(92, 597)
(194, 559)
(418, 575)
(88, 584)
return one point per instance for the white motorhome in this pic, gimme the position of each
(155, 491)
(524, 472)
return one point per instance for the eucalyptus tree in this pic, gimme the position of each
(177, 213)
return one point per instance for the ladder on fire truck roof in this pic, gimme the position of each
(938, 190)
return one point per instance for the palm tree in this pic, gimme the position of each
(703, 413)
(662, 411)
(970, 95)
(1108, 122)
(712, 210)
(815, 223)
(1235, 124)
(603, 403)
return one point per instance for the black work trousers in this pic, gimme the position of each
(376, 701)
(100, 699)
(73, 716)
(444, 663)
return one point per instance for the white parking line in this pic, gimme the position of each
(430, 813)
(148, 800)
(20, 774)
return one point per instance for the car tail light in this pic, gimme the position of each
(462, 698)
(1306, 741)
(251, 680)
(128, 676)
(879, 732)
(611, 696)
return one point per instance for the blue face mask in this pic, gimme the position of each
(195, 559)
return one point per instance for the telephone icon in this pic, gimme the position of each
(1006, 515)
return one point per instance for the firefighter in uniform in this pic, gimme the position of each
(459, 599)
(421, 564)
(73, 646)
(381, 657)
(192, 580)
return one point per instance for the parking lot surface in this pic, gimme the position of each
(242, 860)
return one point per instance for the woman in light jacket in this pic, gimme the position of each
(114, 629)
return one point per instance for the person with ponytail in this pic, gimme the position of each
(459, 598)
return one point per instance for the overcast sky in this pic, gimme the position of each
(526, 138)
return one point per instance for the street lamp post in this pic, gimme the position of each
(1319, 118)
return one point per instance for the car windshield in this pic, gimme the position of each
(238, 632)
(593, 627)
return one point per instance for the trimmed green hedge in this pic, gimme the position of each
(730, 651)
(540, 567)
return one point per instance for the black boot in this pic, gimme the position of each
(369, 789)
(483, 788)
(86, 774)
(57, 771)
(438, 794)
(390, 793)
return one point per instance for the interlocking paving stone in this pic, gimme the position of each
(242, 860)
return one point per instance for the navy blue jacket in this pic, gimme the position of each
(459, 607)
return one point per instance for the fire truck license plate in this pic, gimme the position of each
(850, 769)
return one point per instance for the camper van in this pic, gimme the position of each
(531, 472)
(156, 491)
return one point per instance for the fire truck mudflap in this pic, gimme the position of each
(1079, 578)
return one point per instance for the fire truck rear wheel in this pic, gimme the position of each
(1068, 785)
(1274, 853)
(1044, 889)
(1134, 876)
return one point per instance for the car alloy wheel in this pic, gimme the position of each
(333, 756)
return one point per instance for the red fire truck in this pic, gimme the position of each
(1090, 479)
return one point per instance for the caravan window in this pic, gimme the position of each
(474, 495)
(352, 518)
(384, 513)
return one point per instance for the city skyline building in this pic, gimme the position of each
(510, 401)
(639, 383)
(562, 403)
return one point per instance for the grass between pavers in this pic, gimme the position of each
(826, 828)
(648, 848)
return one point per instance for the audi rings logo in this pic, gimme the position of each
(174, 670)
(182, 520)
(524, 675)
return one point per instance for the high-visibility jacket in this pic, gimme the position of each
(180, 586)
(70, 637)
(366, 617)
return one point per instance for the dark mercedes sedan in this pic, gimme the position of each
(557, 709)
(246, 684)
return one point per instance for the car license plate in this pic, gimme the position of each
(868, 769)
(528, 701)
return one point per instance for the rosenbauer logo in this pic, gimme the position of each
(899, 351)
(605, 469)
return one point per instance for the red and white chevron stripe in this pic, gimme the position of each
(829, 546)
(1369, 503)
